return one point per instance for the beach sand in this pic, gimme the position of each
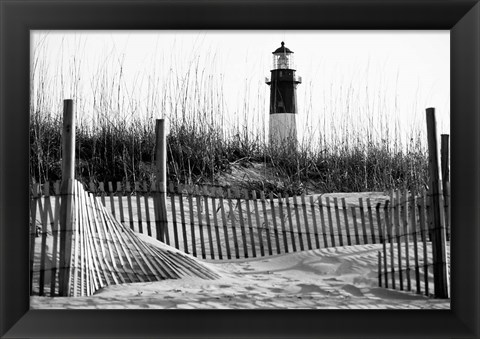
(332, 278)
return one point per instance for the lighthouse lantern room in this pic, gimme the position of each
(283, 98)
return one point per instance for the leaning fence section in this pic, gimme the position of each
(103, 250)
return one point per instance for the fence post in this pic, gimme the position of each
(438, 229)
(66, 191)
(161, 178)
(445, 160)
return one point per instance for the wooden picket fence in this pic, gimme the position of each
(406, 260)
(218, 223)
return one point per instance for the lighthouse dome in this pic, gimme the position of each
(282, 49)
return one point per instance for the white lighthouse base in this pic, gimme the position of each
(283, 129)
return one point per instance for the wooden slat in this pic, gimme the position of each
(128, 190)
(330, 222)
(171, 189)
(305, 219)
(200, 224)
(447, 206)
(250, 224)
(33, 230)
(383, 229)
(379, 265)
(370, 220)
(389, 227)
(162, 216)
(274, 221)
(424, 231)
(259, 227)
(282, 222)
(322, 220)
(55, 235)
(290, 223)
(208, 225)
(139, 207)
(337, 217)
(182, 218)
(76, 247)
(159, 212)
(398, 235)
(242, 224)
(80, 206)
(231, 214)
(120, 201)
(413, 223)
(112, 201)
(225, 227)
(147, 208)
(406, 233)
(50, 226)
(44, 210)
(345, 219)
(355, 225)
(314, 218)
(192, 224)
(379, 223)
(217, 228)
(429, 215)
(362, 218)
(267, 226)
(298, 224)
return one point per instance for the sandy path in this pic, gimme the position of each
(342, 277)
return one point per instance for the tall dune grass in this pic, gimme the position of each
(115, 140)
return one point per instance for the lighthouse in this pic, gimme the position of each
(283, 97)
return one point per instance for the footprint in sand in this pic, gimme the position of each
(355, 291)
(311, 288)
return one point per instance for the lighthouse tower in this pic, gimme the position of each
(283, 97)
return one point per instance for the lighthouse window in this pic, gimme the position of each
(283, 61)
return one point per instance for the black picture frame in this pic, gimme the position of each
(18, 17)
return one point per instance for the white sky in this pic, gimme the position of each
(387, 76)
